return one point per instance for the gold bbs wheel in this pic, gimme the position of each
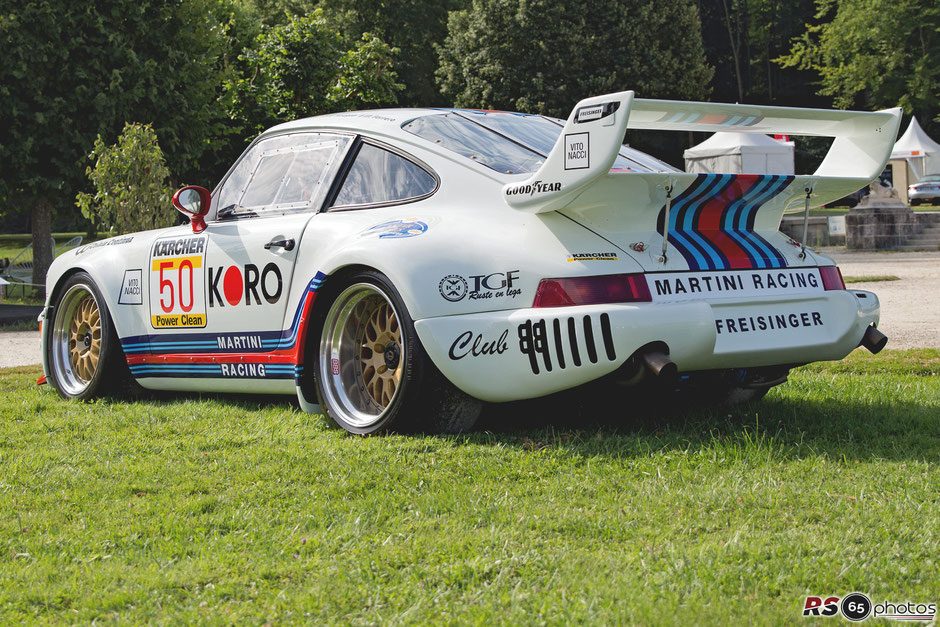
(361, 355)
(76, 340)
(380, 352)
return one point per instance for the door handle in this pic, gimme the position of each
(286, 244)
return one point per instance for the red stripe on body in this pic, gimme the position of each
(714, 118)
(278, 357)
(708, 222)
(285, 356)
(302, 328)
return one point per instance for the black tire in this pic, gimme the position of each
(372, 374)
(83, 352)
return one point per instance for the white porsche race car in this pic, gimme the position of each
(396, 268)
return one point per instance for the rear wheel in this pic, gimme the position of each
(372, 373)
(82, 348)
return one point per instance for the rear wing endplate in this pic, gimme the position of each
(595, 129)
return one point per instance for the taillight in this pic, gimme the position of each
(832, 278)
(592, 290)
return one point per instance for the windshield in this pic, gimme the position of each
(511, 143)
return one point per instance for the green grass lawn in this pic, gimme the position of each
(223, 510)
(870, 279)
(13, 244)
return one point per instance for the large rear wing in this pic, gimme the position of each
(594, 132)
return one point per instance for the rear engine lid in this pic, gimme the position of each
(708, 222)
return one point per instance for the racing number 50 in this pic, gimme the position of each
(167, 284)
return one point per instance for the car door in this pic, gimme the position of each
(231, 282)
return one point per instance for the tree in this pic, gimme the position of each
(303, 68)
(73, 71)
(131, 182)
(542, 56)
(742, 39)
(736, 25)
(873, 53)
(412, 26)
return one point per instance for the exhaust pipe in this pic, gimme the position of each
(874, 340)
(660, 365)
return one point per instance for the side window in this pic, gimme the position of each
(283, 173)
(380, 176)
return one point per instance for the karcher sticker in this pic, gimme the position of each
(610, 256)
(177, 283)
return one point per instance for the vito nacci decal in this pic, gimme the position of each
(473, 344)
(530, 189)
(228, 285)
(396, 229)
(177, 282)
(455, 287)
(577, 151)
(130, 288)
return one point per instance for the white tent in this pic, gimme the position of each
(921, 152)
(740, 153)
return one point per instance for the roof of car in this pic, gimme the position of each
(385, 121)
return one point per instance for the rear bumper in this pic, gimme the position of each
(923, 195)
(524, 353)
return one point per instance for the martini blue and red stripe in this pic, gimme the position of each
(711, 222)
(242, 354)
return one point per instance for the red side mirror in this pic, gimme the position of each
(193, 202)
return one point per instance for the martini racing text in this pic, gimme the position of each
(682, 286)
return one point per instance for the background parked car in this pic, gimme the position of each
(849, 201)
(925, 191)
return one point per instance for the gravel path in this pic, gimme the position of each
(910, 307)
(19, 348)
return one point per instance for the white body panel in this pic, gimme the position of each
(495, 366)
(468, 258)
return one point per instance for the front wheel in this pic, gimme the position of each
(372, 373)
(82, 348)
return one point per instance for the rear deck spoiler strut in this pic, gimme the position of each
(594, 132)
